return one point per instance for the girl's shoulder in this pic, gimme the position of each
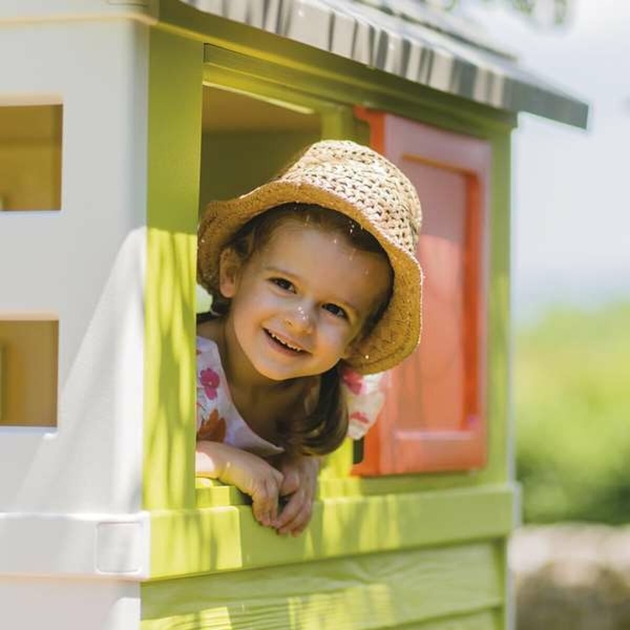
(207, 352)
(365, 398)
(218, 419)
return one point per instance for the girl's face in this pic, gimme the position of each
(302, 300)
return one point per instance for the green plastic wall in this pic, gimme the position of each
(415, 551)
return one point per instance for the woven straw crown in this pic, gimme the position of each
(362, 184)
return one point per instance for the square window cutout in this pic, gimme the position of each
(30, 157)
(28, 371)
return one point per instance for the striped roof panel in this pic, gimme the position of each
(407, 39)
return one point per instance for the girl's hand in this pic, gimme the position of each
(299, 485)
(249, 473)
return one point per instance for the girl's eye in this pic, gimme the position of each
(335, 310)
(284, 284)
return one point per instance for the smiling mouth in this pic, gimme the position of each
(284, 343)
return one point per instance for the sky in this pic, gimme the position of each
(571, 194)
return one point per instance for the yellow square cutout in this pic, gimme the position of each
(28, 371)
(30, 157)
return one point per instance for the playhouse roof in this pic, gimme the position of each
(408, 39)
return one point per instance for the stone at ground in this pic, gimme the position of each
(571, 577)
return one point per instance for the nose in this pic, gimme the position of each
(300, 319)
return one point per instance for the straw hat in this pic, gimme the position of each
(363, 185)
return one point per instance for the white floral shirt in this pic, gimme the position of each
(218, 420)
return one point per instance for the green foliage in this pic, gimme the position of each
(572, 398)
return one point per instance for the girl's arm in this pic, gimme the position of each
(249, 473)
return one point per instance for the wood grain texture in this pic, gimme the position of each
(387, 590)
(226, 537)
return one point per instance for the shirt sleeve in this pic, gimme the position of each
(365, 396)
(210, 423)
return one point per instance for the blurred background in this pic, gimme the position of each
(571, 307)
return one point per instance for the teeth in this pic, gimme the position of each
(284, 343)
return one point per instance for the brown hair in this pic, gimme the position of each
(325, 428)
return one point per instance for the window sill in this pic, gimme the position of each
(221, 534)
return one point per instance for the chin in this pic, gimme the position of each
(274, 373)
(275, 376)
(284, 373)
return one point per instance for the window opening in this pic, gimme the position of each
(246, 139)
(28, 371)
(30, 157)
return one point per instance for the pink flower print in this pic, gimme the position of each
(360, 417)
(353, 381)
(210, 381)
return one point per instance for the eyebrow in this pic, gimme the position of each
(283, 272)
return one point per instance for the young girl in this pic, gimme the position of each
(314, 281)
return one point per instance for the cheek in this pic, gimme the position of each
(337, 336)
(255, 300)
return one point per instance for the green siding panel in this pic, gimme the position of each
(386, 590)
(227, 537)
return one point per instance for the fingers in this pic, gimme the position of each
(298, 488)
(296, 483)
(296, 514)
(273, 486)
(290, 483)
(265, 493)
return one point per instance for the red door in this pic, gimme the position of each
(434, 415)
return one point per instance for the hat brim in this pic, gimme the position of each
(396, 334)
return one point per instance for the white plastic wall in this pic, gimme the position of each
(35, 604)
(70, 497)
